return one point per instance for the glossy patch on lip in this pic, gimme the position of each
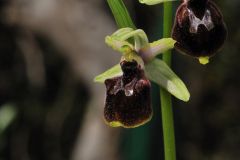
(128, 99)
(199, 28)
(196, 22)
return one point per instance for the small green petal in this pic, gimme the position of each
(123, 37)
(117, 44)
(161, 46)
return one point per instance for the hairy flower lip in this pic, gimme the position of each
(128, 100)
(208, 39)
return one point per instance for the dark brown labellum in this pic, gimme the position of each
(128, 101)
(199, 28)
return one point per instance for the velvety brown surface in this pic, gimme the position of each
(205, 42)
(130, 109)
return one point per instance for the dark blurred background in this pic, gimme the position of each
(50, 109)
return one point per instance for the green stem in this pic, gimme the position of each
(120, 14)
(166, 101)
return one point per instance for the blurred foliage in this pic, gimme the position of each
(7, 114)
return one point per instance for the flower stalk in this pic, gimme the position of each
(166, 99)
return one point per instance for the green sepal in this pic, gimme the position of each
(110, 73)
(159, 72)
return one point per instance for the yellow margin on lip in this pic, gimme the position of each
(119, 124)
(203, 60)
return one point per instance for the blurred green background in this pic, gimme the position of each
(50, 109)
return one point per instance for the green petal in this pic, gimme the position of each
(159, 72)
(121, 38)
(112, 72)
(161, 46)
(153, 2)
(117, 44)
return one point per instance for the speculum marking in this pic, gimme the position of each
(195, 21)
